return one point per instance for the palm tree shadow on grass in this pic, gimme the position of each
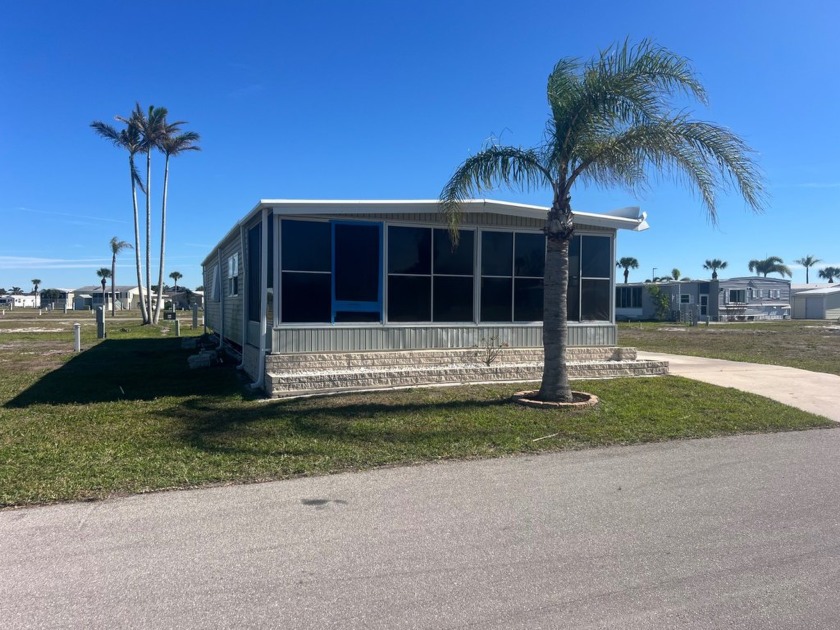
(128, 369)
(213, 428)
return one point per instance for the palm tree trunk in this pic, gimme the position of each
(143, 312)
(555, 381)
(162, 240)
(113, 282)
(149, 233)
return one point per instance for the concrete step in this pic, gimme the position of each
(282, 363)
(302, 382)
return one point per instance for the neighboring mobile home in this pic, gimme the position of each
(735, 299)
(92, 296)
(354, 277)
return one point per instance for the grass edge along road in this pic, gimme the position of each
(127, 416)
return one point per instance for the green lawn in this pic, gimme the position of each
(810, 345)
(126, 416)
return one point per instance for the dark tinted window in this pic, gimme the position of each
(527, 300)
(409, 250)
(596, 261)
(307, 246)
(530, 255)
(496, 253)
(306, 297)
(253, 272)
(454, 260)
(453, 299)
(356, 263)
(353, 316)
(496, 299)
(409, 299)
(573, 299)
(595, 298)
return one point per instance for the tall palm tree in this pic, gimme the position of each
(808, 262)
(176, 275)
(714, 264)
(104, 273)
(152, 128)
(829, 273)
(773, 264)
(116, 247)
(36, 282)
(171, 143)
(627, 263)
(612, 122)
(131, 140)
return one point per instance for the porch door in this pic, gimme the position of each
(704, 305)
(357, 272)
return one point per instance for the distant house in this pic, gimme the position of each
(735, 299)
(57, 298)
(19, 301)
(92, 296)
(819, 303)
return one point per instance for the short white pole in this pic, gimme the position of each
(77, 337)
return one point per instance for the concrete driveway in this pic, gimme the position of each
(816, 392)
(724, 533)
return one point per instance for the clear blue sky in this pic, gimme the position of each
(383, 100)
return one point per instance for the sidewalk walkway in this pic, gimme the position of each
(816, 392)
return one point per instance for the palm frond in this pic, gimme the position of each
(508, 166)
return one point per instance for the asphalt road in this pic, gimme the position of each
(737, 532)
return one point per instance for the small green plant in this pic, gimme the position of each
(489, 349)
(661, 302)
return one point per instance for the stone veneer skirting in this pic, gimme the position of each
(301, 374)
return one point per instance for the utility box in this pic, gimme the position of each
(170, 315)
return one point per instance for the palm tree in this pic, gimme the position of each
(808, 262)
(104, 273)
(176, 275)
(675, 273)
(36, 282)
(16, 291)
(171, 143)
(714, 264)
(612, 122)
(773, 264)
(116, 247)
(129, 139)
(627, 263)
(829, 273)
(152, 129)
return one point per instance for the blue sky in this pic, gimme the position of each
(383, 100)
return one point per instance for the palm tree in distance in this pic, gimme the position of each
(807, 262)
(129, 139)
(627, 263)
(116, 247)
(676, 273)
(36, 282)
(829, 273)
(713, 265)
(612, 122)
(104, 273)
(171, 143)
(16, 291)
(176, 275)
(152, 128)
(773, 264)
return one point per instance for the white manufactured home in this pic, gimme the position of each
(358, 286)
(819, 303)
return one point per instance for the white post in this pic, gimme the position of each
(177, 328)
(77, 337)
